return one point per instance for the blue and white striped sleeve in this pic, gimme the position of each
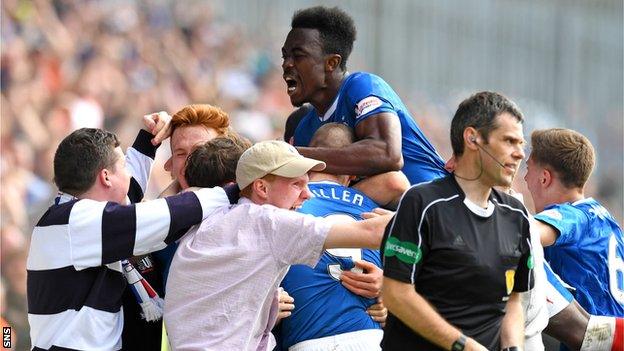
(139, 161)
(105, 232)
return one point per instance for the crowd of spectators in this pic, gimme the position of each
(68, 64)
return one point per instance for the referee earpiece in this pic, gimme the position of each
(473, 139)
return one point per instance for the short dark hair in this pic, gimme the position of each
(214, 163)
(333, 135)
(336, 29)
(569, 153)
(480, 111)
(80, 156)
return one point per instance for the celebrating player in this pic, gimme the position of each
(315, 55)
(582, 241)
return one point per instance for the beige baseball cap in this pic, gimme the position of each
(273, 157)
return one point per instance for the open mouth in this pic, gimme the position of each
(291, 85)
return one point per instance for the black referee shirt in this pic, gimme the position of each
(465, 260)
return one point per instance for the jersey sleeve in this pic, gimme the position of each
(405, 240)
(524, 277)
(294, 238)
(367, 96)
(139, 161)
(105, 232)
(567, 221)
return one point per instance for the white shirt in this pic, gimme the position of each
(222, 287)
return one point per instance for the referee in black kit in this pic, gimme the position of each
(457, 254)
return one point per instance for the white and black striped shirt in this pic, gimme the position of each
(75, 279)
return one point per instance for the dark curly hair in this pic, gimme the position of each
(336, 28)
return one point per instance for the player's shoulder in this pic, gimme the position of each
(565, 211)
(357, 79)
(591, 209)
(58, 214)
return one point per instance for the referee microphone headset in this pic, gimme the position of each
(473, 139)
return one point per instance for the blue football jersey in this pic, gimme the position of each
(588, 254)
(323, 306)
(362, 95)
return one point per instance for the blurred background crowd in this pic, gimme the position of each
(71, 64)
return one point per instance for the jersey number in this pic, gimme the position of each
(335, 270)
(616, 272)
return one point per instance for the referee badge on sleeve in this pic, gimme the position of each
(405, 251)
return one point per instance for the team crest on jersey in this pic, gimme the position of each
(405, 251)
(509, 279)
(366, 105)
(552, 213)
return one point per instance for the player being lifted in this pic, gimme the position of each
(315, 57)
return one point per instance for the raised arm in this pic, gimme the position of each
(377, 150)
(140, 156)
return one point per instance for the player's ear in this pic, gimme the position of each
(260, 187)
(103, 177)
(169, 164)
(332, 62)
(546, 178)
(470, 138)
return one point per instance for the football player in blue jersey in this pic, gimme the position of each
(314, 56)
(327, 315)
(583, 243)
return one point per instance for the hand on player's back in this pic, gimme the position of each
(367, 283)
